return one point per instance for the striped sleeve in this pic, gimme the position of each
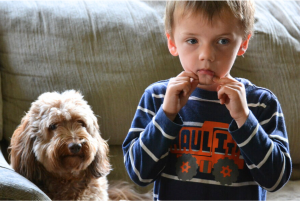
(263, 142)
(146, 146)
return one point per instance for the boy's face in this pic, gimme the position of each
(207, 48)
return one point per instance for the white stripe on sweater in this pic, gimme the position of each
(165, 155)
(161, 130)
(249, 138)
(158, 95)
(205, 181)
(146, 110)
(148, 151)
(264, 160)
(257, 105)
(279, 138)
(136, 129)
(279, 178)
(267, 121)
(287, 154)
(125, 157)
(190, 123)
(134, 169)
(204, 100)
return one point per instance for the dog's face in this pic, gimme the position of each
(63, 134)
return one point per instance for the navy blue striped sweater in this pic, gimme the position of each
(202, 154)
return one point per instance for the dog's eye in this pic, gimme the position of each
(52, 127)
(82, 123)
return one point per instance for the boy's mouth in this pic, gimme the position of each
(205, 72)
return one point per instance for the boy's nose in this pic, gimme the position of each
(206, 53)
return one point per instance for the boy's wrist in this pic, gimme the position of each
(171, 117)
(168, 126)
(242, 119)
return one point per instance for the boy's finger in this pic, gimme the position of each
(194, 84)
(224, 92)
(223, 99)
(224, 80)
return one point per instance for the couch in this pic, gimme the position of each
(111, 51)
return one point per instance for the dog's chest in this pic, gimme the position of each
(93, 189)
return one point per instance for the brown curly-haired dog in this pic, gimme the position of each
(59, 148)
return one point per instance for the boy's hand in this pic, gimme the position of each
(178, 92)
(232, 94)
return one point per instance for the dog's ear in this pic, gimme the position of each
(22, 156)
(100, 165)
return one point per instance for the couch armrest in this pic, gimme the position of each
(296, 172)
(13, 186)
(3, 163)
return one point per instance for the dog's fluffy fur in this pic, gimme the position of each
(59, 148)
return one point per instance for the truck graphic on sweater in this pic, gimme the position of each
(209, 149)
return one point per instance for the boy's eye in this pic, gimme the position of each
(223, 41)
(192, 41)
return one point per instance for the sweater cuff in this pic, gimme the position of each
(241, 134)
(170, 127)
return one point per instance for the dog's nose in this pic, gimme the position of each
(74, 147)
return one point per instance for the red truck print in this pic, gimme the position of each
(209, 149)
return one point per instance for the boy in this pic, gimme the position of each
(204, 134)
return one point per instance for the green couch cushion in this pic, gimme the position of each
(15, 187)
(110, 51)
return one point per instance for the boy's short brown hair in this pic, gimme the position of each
(243, 10)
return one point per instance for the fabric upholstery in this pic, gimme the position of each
(108, 50)
(289, 192)
(3, 162)
(15, 187)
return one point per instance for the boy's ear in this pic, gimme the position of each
(244, 46)
(171, 45)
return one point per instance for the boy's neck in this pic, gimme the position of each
(208, 87)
